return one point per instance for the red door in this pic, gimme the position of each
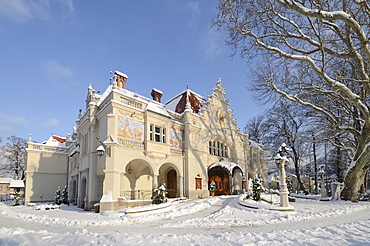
(221, 177)
(171, 184)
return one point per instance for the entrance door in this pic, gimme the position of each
(172, 183)
(221, 178)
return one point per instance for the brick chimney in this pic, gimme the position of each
(156, 95)
(120, 79)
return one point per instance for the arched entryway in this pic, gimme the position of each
(73, 196)
(172, 183)
(221, 177)
(170, 177)
(137, 182)
(228, 177)
(83, 193)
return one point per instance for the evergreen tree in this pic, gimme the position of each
(65, 195)
(16, 199)
(161, 195)
(257, 188)
(58, 199)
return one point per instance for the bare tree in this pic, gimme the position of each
(256, 128)
(15, 157)
(287, 124)
(325, 46)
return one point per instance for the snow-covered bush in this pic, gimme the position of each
(16, 199)
(61, 198)
(257, 188)
(160, 197)
(58, 199)
(212, 187)
(65, 196)
(44, 206)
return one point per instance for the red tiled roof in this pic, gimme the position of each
(195, 103)
(59, 139)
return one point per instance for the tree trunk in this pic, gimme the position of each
(315, 162)
(298, 172)
(355, 176)
(352, 184)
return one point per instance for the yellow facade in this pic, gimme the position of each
(184, 143)
(46, 170)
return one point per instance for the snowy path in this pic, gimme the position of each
(201, 222)
(151, 227)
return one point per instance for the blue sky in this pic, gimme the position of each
(51, 50)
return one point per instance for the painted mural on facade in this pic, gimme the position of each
(176, 139)
(130, 131)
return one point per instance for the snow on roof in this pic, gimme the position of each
(253, 144)
(178, 103)
(5, 180)
(16, 184)
(227, 165)
(151, 105)
(104, 95)
(56, 141)
(75, 150)
(159, 91)
(157, 108)
(121, 74)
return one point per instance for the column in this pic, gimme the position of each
(181, 185)
(284, 200)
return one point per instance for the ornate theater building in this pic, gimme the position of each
(125, 145)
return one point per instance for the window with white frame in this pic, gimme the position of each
(218, 148)
(157, 133)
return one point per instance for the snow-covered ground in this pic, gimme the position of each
(216, 220)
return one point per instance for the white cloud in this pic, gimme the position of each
(54, 70)
(12, 119)
(51, 122)
(68, 4)
(195, 13)
(17, 10)
(5, 128)
(211, 43)
(8, 121)
(22, 11)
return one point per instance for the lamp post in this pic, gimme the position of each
(282, 161)
(102, 148)
(322, 181)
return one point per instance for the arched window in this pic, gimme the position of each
(219, 149)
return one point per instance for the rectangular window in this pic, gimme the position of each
(218, 149)
(157, 134)
(164, 135)
(198, 183)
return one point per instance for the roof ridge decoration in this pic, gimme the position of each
(221, 91)
(217, 92)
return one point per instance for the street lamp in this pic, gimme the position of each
(322, 181)
(102, 148)
(282, 161)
